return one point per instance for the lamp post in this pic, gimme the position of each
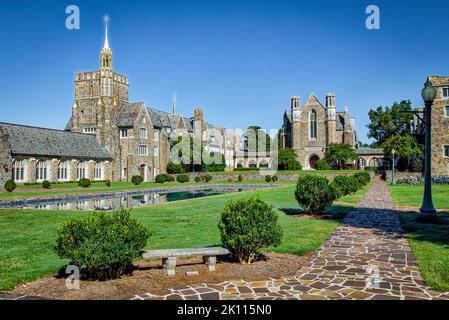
(428, 212)
(393, 179)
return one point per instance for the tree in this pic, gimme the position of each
(407, 148)
(339, 154)
(287, 160)
(254, 131)
(390, 122)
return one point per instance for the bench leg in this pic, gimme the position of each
(169, 266)
(211, 262)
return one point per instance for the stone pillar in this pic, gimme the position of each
(5, 159)
(90, 170)
(107, 170)
(31, 174)
(73, 169)
(53, 176)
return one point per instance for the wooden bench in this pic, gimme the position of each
(169, 257)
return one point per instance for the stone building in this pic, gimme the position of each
(311, 128)
(440, 126)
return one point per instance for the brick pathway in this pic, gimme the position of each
(367, 257)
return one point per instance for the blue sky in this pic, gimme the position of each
(241, 61)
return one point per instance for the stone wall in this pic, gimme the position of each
(5, 159)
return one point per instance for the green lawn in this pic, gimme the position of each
(27, 237)
(255, 171)
(430, 245)
(356, 197)
(412, 195)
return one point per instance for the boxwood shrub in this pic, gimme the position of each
(84, 183)
(182, 178)
(103, 244)
(163, 177)
(207, 178)
(274, 178)
(346, 184)
(247, 226)
(137, 180)
(198, 179)
(363, 177)
(268, 178)
(46, 184)
(240, 178)
(10, 185)
(313, 194)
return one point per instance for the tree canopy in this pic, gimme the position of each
(338, 154)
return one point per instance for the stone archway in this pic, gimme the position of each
(313, 160)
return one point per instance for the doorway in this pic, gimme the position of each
(312, 161)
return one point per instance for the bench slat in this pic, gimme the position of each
(159, 254)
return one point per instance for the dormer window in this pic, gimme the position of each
(445, 93)
(124, 133)
(90, 130)
(143, 133)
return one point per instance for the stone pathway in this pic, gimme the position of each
(367, 257)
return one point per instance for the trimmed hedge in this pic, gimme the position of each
(346, 185)
(268, 179)
(363, 177)
(163, 177)
(10, 185)
(103, 244)
(240, 178)
(46, 184)
(247, 226)
(84, 183)
(137, 180)
(313, 194)
(182, 178)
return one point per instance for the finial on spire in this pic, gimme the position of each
(106, 20)
(174, 105)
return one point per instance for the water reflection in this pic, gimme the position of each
(130, 201)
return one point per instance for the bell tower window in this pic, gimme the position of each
(313, 125)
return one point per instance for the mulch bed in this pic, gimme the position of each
(148, 276)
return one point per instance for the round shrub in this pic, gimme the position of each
(108, 183)
(102, 244)
(240, 178)
(46, 184)
(363, 177)
(313, 194)
(84, 183)
(347, 184)
(10, 185)
(322, 165)
(247, 226)
(162, 178)
(175, 168)
(207, 178)
(198, 179)
(293, 164)
(268, 178)
(274, 178)
(136, 180)
(182, 178)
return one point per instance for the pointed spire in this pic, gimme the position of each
(174, 105)
(106, 23)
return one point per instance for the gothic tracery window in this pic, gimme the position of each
(313, 125)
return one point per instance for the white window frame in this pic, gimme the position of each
(156, 135)
(143, 133)
(446, 111)
(124, 133)
(124, 173)
(42, 170)
(98, 171)
(446, 147)
(63, 171)
(442, 93)
(81, 170)
(19, 170)
(90, 130)
(143, 150)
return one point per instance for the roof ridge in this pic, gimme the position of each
(42, 128)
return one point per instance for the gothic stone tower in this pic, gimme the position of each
(99, 95)
(331, 119)
(296, 123)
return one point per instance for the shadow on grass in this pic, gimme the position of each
(435, 232)
(334, 212)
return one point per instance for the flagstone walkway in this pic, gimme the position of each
(367, 257)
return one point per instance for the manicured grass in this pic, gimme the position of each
(412, 195)
(430, 245)
(356, 197)
(255, 171)
(27, 237)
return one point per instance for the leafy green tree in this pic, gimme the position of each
(407, 148)
(287, 160)
(391, 121)
(338, 154)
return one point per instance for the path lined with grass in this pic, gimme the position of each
(27, 237)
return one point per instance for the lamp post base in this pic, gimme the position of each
(426, 216)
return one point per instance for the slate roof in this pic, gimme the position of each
(128, 114)
(34, 141)
(369, 151)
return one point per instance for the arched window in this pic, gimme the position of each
(63, 170)
(42, 170)
(313, 124)
(81, 170)
(98, 171)
(18, 170)
(362, 163)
